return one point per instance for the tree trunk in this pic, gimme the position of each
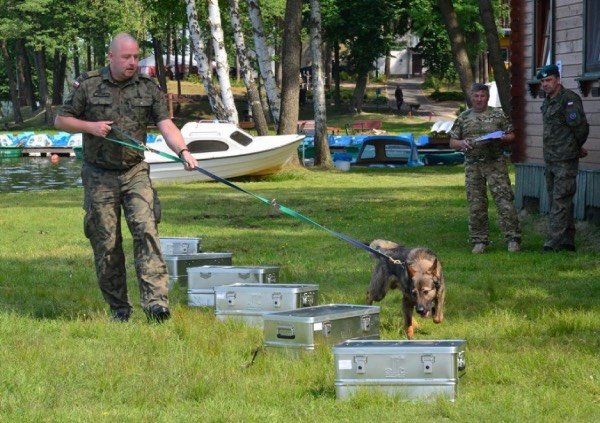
(160, 66)
(218, 40)
(88, 55)
(459, 47)
(76, 69)
(359, 92)
(177, 73)
(246, 70)
(387, 66)
(322, 153)
(337, 98)
(58, 78)
(204, 70)
(12, 83)
(265, 61)
(500, 73)
(40, 65)
(290, 61)
(25, 67)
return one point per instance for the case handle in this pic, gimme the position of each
(286, 332)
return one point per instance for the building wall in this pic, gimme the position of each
(568, 49)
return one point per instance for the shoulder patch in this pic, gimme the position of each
(82, 77)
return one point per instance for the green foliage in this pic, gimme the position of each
(447, 96)
(530, 319)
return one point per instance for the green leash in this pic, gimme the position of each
(286, 210)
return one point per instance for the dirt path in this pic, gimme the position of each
(411, 88)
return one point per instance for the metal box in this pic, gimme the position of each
(202, 280)
(411, 369)
(307, 328)
(249, 301)
(178, 265)
(171, 246)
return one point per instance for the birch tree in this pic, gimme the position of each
(322, 153)
(214, 99)
(247, 71)
(264, 58)
(214, 20)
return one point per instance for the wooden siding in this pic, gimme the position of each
(568, 48)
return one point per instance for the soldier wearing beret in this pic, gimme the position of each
(565, 131)
(116, 177)
(486, 166)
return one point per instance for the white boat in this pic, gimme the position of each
(225, 150)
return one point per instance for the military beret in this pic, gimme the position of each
(548, 70)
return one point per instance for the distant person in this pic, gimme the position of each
(116, 177)
(486, 166)
(565, 131)
(399, 95)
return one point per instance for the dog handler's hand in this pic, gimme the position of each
(190, 161)
(100, 129)
(467, 144)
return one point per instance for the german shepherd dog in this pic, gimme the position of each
(418, 274)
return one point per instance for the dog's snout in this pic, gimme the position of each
(421, 310)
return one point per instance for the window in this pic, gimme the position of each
(206, 146)
(544, 34)
(592, 37)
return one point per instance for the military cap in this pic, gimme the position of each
(548, 70)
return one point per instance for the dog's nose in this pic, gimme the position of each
(420, 309)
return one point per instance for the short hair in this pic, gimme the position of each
(121, 37)
(478, 86)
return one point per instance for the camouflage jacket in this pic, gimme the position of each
(131, 105)
(472, 124)
(565, 126)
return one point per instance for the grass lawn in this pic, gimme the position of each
(531, 320)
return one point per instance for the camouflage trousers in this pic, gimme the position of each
(561, 183)
(478, 177)
(105, 193)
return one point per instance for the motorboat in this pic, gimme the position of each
(223, 149)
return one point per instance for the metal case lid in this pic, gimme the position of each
(322, 312)
(197, 256)
(392, 347)
(263, 286)
(234, 269)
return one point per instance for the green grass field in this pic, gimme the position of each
(531, 320)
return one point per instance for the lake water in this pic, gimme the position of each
(39, 173)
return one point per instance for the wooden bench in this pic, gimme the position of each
(364, 126)
(247, 124)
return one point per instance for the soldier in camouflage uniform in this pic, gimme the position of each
(485, 166)
(565, 131)
(115, 177)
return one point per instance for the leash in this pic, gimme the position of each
(137, 145)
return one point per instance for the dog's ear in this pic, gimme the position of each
(435, 268)
(410, 270)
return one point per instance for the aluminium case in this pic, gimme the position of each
(306, 328)
(410, 369)
(203, 279)
(178, 265)
(249, 301)
(171, 246)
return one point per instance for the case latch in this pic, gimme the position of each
(230, 296)
(365, 323)
(276, 299)
(308, 299)
(326, 328)
(427, 361)
(361, 363)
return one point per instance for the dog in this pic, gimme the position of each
(417, 272)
